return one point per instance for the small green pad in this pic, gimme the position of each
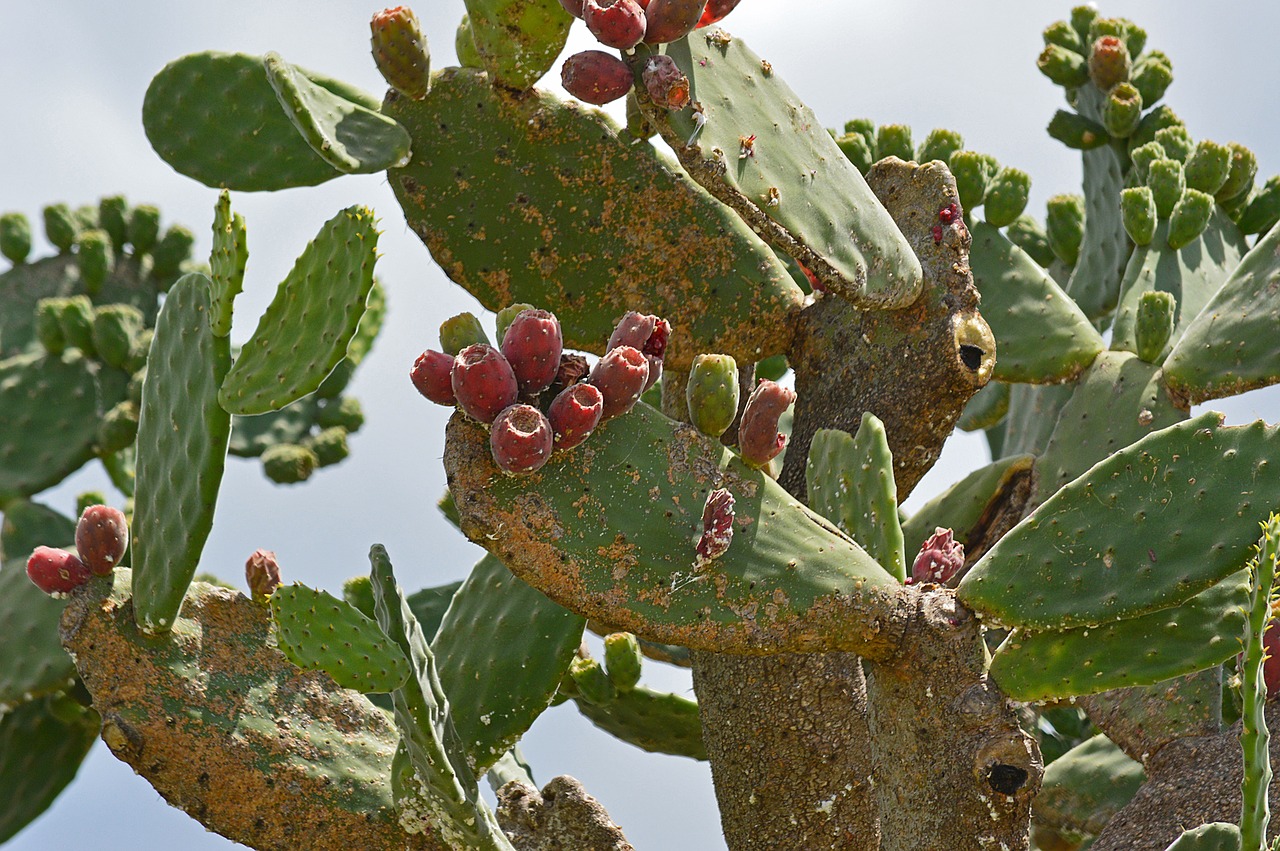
(21, 288)
(1146, 529)
(251, 436)
(352, 138)
(657, 722)
(1216, 836)
(517, 41)
(317, 631)
(963, 506)
(40, 753)
(305, 330)
(34, 662)
(1202, 632)
(1086, 786)
(227, 261)
(182, 449)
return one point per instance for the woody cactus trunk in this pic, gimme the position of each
(1039, 657)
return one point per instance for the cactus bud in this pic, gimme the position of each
(615, 23)
(645, 332)
(593, 684)
(717, 527)
(344, 411)
(939, 559)
(115, 328)
(856, 150)
(118, 428)
(432, 376)
(1006, 196)
(1152, 77)
(1063, 67)
(1082, 18)
(759, 441)
(1063, 34)
(56, 572)
(1122, 111)
(60, 227)
(507, 315)
(144, 228)
(622, 376)
(972, 171)
(262, 574)
(1077, 132)
(1109, 62)
(288, 463)
(330, 446)
(1189, 218)
(671, 20)
(1244, 167)
(532, 345)
(1166, 182)
(400, 51)
(75, 319)
(1138, 211)
(1153, 325)
(521, 440)
(15, 237)
(102, 536)
(483, 382)
(1143, 156)
(173, 249)
(94, 257)
(458, 332)
(1026, 233)
(1064, 225)
(1264, 209)
(894, 140)
(940, 144)
(464, 44)
(622, 660)
(49, 325)
(1176, 142)
(596, 77)
(666, 84)
(113, 217)
(712, 393)
(1207, 167)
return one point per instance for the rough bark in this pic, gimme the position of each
(563, 816)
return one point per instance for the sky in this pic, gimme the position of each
(75, 72)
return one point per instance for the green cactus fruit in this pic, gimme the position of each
(344, 411)
(288, 463)
(940, 144)
(464, 45)
(592, 682)
(622, 660)
(94, 256)
(1114, 27)
(75, 321)
(1154, 324)
(1154, 121)
(1122, 111)
(1152, 76)
(857, 151)
(1064, 66)
(60, 227)
(138, 352)
(329, 446)
(1063, 34)
(1207, 167)
(503, 321)
(400, 51)
(1176, 142)
(15, 237)
(1135, 38)
(1244, 166)
(1143, 156)
(458, 332)
(894, 140)
(86, 216)
(1064, 225)
(1082, 18)
(48, 324)
(113, 217)
(144, 228)
(1109, 62)
(1263, 210)
(1138, 210)
(712, 393)
(1167, 183)
(1076, 131)
(118, 428)
(227, 260)
(88, 498)
(1215, 836)
(1006, 197)
(1026, 233)
(115, 328)
(1189, 218)
(173, 249)
(973, 173)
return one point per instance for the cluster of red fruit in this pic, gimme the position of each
(534, 397)
(102, 536)
(598, 77)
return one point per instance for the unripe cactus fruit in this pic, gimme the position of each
(1064, 225)
(262, 574)
(666, 84)
(75, 318)
(940, 144)
(49, 325)
(645, 332)
(596, 77)
(574, 413)
(858, 151)
(1143, 156)
(1064, 67)
(1152, 76)
(1153, 325)
(615, 23)
(759, 441)
(1109, 62)
(55, 571)
(432, 376)
(973, 172)
(400, 51)
(712, 393)
(102, 536)
(118, 428)
(520, 440)
(1082, 18)
(1244, 167)
(1122, 111)
(1189, 218)
(592, 682)
(506, 316)
(622, 660)
(458, 332)
(330, 446)
(344, 411)
(532, 345)
(622, 376)
(15, 237)
(939, 559)
(1006, 197)
(671, 20)
(94, 257)
(716, 10)
(894, 140)
(113, 217)
(173, 249)
(1063, 34)
(60, 227)
(1207, 167)
(288, 463)
(1176, 142)
(144, 228)
(1166, 182)
(483, 382)
(717, 527)
(1138, 212)
(115, 327)
(1264, 208)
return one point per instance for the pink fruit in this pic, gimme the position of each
(1271, 667)
(940, 558)
(56, 571)
(574, 414)
(615, 23)
(759, 441)
(533, 345)
(645, 332)
(670, 20)
(621, 375)
(483, 382)
(262, 573)
(1109, 62)
(102, 536)
(717, 526)
(432, 375)
(715, 11)
(520, 440)
(400, 51)
(666, 84)
(573, 7)
(596, 77)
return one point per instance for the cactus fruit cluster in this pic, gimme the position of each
(787, 323)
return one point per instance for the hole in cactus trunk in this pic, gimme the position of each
(1006, 779)
(971, 356)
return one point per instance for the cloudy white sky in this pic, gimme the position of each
(74, 73)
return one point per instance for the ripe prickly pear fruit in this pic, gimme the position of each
(622, 376)
(671, 20)
(574, 414)
(483, 382)
(573, 7)
(56, 572)
(759, 441)
(712, 393)
(458, 332)
(520, 440)
(1271, 667)
(615, 23)
(506, 316)
(596, 77)
(432, 376)
(532, 345)
(400, 51)
(717, 527)
(1109, 62)
(102, 536)
(939, 559)
(666, 84)
(716, 10)
(1189, 218)
(262, 573)
(645, 332)
(1138, 212)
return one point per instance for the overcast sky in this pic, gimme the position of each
(75, 72)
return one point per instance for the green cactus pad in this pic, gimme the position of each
(657, 722)
(40, 753)
(27, 525)
(1146, 529)
(1041, 334)
(1216, 836)
(375, 310)
(1086, 786)
(34, 662)
(1231, 345)
(765, 154)
(227, 261)
(1200, 633)
(215, 117)
(517, 41)
(21, 289)
(319, 632)
(986, 409)
(850, 482)
(352, 138)
(251, 436)
(963, 507)
(182, 449)
(499, 227)
(305, 330)
(428, 605)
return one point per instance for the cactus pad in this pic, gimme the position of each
(21, 288)
(1086, 786)
(1215, 836)
(227, 262)
(657, 722)
(964, 506)
(517, 41)
(34, 662)
(40, 753)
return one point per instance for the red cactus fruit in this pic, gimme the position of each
(813, 280)
(671, 20)
(574, 414)
(483, 382)
(431, 374)
(759, 441)
(616, 23)
(715, 11)
(573, 7)
(533, 345)
(645, 332)
(717, 526)
(56, 572)
(621, 375)
(596, 77)
(1109, 62)
(1271, 667)
(666, 84)
(400, 51)
(521, 439)
(262, 573)
(102, 536)
(940, 558)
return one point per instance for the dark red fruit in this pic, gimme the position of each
(262, 573)
(940, 558)
(645, 332)
(431, 374)
(817, 285)
(715, 11)
(670, 20)
(937, 234)
(596, 77)
(573, 7)
(56, 571)
(717, 526)
(666, 84)
(615, 23)
(483, 382)
(533, 345)
(622, 376)
(759, 440)
(574, 414)
(1271, 667)
(102, 536)
(520, 440)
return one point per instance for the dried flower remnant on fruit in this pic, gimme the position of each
(645, 332)
(717, 527)
(940, 558)
(262, 574)
(666, 84)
